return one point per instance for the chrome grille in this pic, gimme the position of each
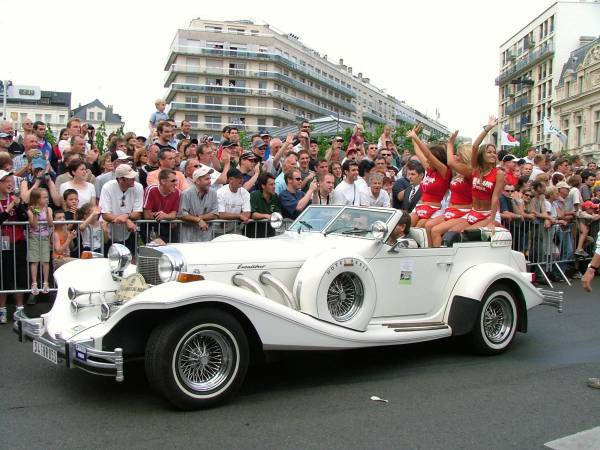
(147, 264)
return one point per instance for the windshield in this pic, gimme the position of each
(357, 221)
(315, 218)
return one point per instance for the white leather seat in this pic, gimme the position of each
(419, 235)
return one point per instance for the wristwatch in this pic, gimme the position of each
(592, 267)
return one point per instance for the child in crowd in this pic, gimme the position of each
(70, 202)
(40, 228)
(157, 115)
(93, 234)
(62, 239)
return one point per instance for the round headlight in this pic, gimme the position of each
(119, 257)
(379, 229)
(166, 269)
(276, 221)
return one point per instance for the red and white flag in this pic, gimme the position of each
(509, 140)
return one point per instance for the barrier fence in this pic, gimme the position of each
(20, 245)
(551, 252)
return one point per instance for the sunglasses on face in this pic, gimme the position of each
(298, 179)
(509, 190)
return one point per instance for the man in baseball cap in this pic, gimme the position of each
(197, 205)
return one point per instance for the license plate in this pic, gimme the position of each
(45, 352)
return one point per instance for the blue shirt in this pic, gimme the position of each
(280, 185)
(289, 202)
(157, 116)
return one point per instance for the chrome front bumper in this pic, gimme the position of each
(552, 298)
(74, 353)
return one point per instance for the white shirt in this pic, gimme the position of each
(535, 172)
(213, 178)
(233, 202)
(382, 200)
(92, 237)
(84, 195)
(111, 199)
(347, 194)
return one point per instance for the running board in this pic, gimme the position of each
(422, 326)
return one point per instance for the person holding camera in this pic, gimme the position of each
(40, 175)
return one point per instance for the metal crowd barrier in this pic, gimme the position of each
(16, 275)
(551, 251)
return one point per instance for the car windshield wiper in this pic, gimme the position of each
(346, 230)
(306, 224)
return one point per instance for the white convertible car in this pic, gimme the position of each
(198, 312)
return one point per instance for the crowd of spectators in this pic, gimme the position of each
(190, 189)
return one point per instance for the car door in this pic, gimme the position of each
(411, 282)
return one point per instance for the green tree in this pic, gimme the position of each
(49, 136)
(521, 150)
(101, 137)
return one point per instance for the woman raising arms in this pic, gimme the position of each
(487, 185)
(436, 181)
(460, 191)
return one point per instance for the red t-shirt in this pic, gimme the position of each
(460, 191)
(434, 186)
(155, 201)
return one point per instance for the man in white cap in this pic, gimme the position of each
(197, 205)
(121, 204)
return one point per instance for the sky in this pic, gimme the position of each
(431, 54)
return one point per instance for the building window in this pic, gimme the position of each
(237, 69)
(191, 99)
(213, 28)
(191, 118)
(99, 116)
(262, 69)
(213, 100)
(48, 118)
(23, 117)
(193, 62)
(580, 84)
(262, 85)
(237, 102)
(91, 115)
(62, 118)
(597, 127)
(213, 122)
(567, 89)
(261, 122)
(214, 63)
(578, 131)
(192, 79)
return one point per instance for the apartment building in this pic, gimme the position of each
(577, 103)
(257, 78)
(31, 102)
(530, 65)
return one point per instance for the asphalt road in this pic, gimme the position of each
(439, 397)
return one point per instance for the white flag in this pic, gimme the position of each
(509, 140)
(551, 129)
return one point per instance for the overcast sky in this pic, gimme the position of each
(432, 54)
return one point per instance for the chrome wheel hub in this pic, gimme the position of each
(345, 296)
(498, 320)
(205, 360)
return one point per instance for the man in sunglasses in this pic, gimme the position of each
(293, 200)
(121, 204)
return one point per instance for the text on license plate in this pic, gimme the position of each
(45, 352)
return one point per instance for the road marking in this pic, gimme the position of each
(588, 439)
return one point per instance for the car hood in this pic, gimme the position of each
(288, 249)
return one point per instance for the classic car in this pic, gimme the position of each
(199, 312)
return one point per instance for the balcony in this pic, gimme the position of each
(242, 91)
(519, 105)
(372, 116)
(525, 63)
(240, 73)
(260, 56)
(237, 110)
(218, 126)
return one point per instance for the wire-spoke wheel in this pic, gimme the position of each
(345, 296)
(199, 359)
(205, 359)
(496, 323)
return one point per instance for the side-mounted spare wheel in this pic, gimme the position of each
(337, 287)
(199, 359)
(496, 324)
